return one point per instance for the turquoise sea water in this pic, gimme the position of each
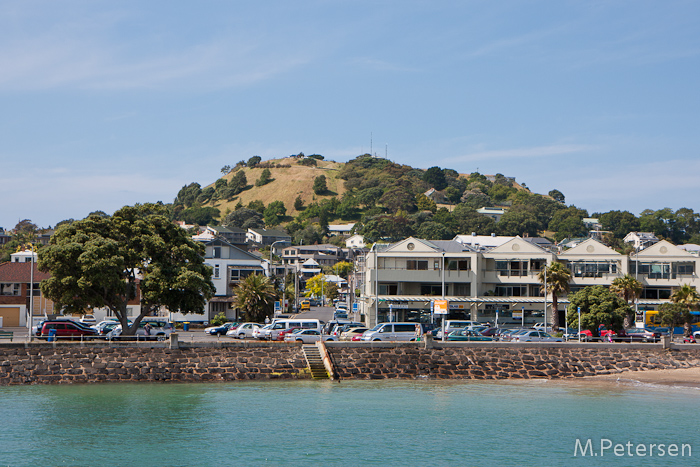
(350, 423)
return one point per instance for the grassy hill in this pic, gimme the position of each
(286, 184)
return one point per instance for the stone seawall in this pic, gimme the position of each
(61, 363)
(75, 363)
(504, 360)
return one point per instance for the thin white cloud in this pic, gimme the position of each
(48, 62)
(79, 192)
(518, 153)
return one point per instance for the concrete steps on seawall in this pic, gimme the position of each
(314, 361)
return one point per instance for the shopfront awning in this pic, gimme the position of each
(477, 300)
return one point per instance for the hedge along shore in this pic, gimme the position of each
(65, 363)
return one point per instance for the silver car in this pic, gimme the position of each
(156, 329)
(244, 330)
(534, 336)
(307, 336)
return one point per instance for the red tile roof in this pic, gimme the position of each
(20, 273)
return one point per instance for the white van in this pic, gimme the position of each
(283, 324)
(392, 332)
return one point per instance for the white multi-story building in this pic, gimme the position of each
(230, 265)
(501, 280)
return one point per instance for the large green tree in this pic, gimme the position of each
(319, 286)
(320, 186)
(557, 278)
(598, 306)
(435, 177)
(135, 253)
(255, 296)
(628, 288)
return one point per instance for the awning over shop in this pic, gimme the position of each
(478, 300)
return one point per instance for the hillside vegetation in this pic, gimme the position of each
(285, 185)
(386, 201)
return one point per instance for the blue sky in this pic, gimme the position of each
(104, 104)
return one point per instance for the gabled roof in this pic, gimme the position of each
(662, 248)
(340, 227)
(218, 241)
(518, 246)
(21, 273)
(418, 245)
(223, 230)
(323, 246)
(270, 233)
(590, 247)
(482, 241)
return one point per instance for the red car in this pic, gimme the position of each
(284, 332)
(64, 329)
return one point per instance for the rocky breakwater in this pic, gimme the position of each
(482, 360)
(44, 363)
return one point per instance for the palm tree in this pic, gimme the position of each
(558, 277)
(687, 296)
(628, 288)
(255, 296)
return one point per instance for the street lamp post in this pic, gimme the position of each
(272, 246)
(31, 296)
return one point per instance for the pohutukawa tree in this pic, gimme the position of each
(137, 253)
(558, 277)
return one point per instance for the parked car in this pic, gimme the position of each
(467, 335)
(490, 332)
(348, 334)
(220, 330)
(392, 332)
(36, 330)
(262, 332)
(639, 334)
(104, 327)
(284, 332)
(307, 336)
(340, 314)
(453, 325)
(64, 329)
(338, 328)
(507, 334)
(88, 319)
(148, 329)
(243, 330)
(534, 336)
